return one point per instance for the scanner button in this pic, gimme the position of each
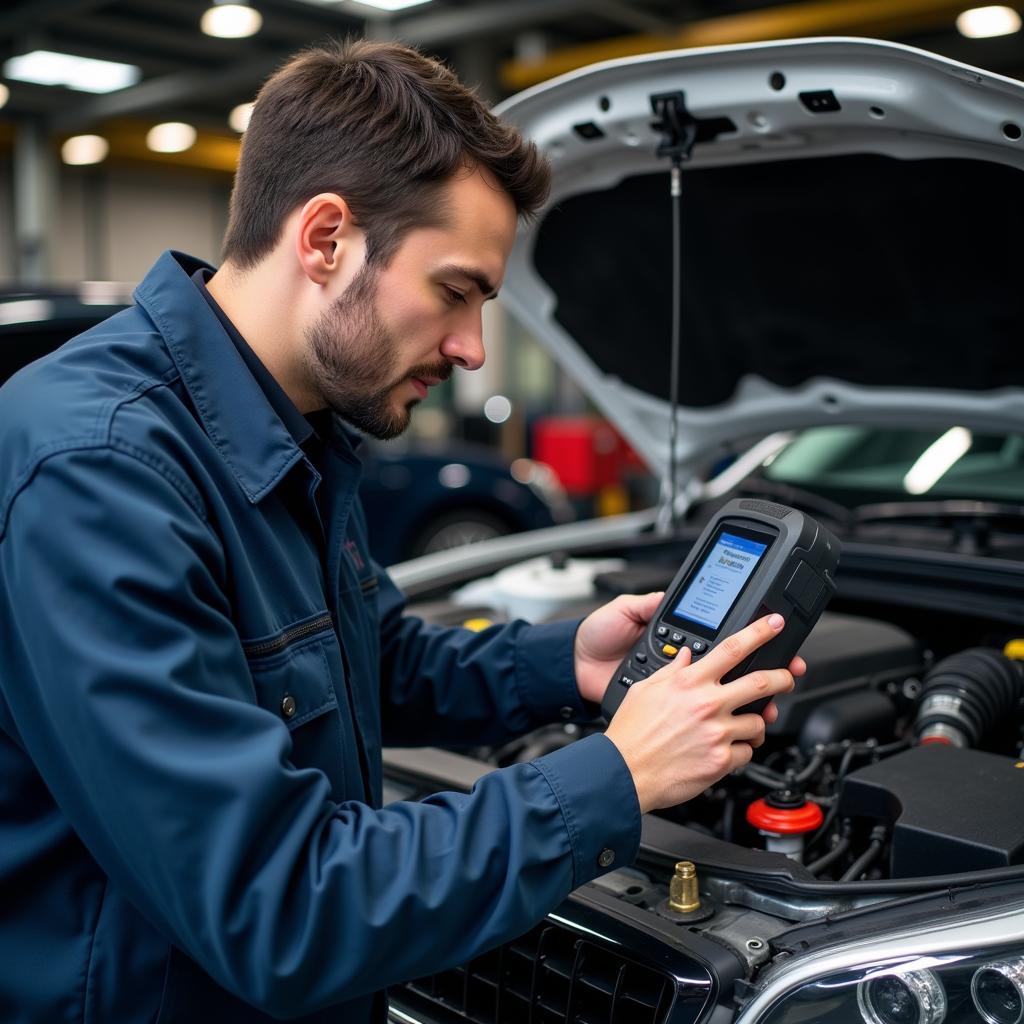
(677, 638)
(698, 646)
(669, 651)
(802, 588)
(662, 631)
(640, 657)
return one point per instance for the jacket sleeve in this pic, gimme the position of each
(456, 687)
(126, 683)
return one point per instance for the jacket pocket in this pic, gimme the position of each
(297, 677)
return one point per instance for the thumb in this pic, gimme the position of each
(642, 606)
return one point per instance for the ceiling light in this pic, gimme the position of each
(985, 22)
(231, 21)
(84, 149)
(170, 137)
(389, 5)
(239, 117)
(5, 94)
(44, 67)
(497, 408)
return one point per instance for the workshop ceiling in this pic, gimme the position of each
(501, 46)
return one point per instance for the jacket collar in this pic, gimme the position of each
(234, 411)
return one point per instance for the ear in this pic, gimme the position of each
(327, 239)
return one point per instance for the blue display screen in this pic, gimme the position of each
(719, 580)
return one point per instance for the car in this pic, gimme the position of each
(419, 497)
(849, 286)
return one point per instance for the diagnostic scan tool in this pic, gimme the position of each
(753, 558)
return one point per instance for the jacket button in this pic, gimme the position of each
(288, 706)
(606, 858)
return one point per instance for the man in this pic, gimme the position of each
(200, 660)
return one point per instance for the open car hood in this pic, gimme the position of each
(851, 225)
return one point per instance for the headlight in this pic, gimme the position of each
(971, 971)
(997, 990)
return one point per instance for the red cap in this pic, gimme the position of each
(785, 820)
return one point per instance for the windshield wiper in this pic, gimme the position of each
(972, 523)
(838, 515)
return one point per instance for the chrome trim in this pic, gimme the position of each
(400, 1017)
(490, 554)
(1000, 928)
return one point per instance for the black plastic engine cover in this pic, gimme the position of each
(952, 809)
(845, 654)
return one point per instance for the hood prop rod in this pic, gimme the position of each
(679, 130)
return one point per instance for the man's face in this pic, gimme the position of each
(398, 330)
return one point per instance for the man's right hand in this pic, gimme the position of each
(676, 730)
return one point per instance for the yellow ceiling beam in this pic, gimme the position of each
(212, 151)
(882, 18)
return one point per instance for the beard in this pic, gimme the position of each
(352, 360)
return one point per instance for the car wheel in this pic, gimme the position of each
(454, 529)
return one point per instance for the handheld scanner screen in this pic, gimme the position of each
(720, 578)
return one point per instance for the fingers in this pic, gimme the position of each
(798, 666)
(739, 755)
(771, 713)
(748, 729)
(756, 686)
(738, 647)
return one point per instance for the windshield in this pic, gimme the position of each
(856, 466)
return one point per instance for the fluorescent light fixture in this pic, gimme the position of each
(5, 94)
(45, 67)
(985, 22)
(937, 460)
(170, 137)
(231, 21)
(84, 149)
(389, 5)
(239, 117)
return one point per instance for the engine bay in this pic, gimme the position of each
(896, 757)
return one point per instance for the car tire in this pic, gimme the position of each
(456, 528)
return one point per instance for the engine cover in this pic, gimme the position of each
(951, 809)
(846, 655)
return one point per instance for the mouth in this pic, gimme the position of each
(421, 384)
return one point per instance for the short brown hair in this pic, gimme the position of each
(384, 127)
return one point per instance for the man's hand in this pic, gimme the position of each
(676, 730)
(606, 636)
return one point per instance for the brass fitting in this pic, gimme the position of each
(683, 896)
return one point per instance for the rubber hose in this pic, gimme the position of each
(964, 696)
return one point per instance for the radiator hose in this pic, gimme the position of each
(964, 696)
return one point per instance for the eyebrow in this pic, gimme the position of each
(488, 290)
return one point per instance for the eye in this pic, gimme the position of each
(452, 297)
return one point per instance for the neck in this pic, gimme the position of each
(261, 303)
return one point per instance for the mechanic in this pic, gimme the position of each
(200, 659)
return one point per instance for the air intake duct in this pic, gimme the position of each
(965, 696)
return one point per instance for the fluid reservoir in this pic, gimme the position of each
(785, 818)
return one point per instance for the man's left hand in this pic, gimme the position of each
(606, 636)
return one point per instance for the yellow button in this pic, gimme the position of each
(669, 651)
(477, 624)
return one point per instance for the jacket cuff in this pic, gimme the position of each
(546, 673)
(599, 805)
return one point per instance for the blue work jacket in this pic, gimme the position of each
(199, 663)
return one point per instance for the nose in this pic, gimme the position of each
(465, 347)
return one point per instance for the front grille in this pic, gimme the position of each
(550, 976)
